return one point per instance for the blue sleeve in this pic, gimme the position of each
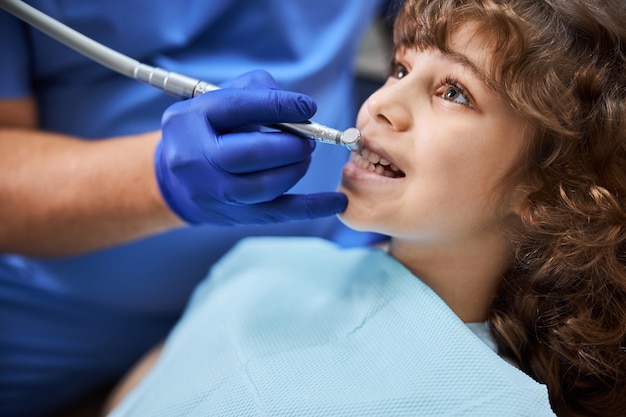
(15, 61)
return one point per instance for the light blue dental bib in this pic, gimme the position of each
(298, 327)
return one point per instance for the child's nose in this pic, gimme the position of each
(390, 105)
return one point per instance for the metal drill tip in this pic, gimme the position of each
(350, 138)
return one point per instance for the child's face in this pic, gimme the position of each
(450, 136)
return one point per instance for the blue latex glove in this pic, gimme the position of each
(212, 167)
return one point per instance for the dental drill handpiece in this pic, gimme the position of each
(186, 87)
(175, 84)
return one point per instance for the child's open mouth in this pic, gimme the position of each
(370, 161)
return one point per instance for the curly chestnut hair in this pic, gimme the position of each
(561, 311)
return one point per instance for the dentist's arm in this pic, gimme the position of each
(62, 195)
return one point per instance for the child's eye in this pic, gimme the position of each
(454, 92)
(398, 71)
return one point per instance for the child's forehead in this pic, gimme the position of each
(468, 46)
(454, 25)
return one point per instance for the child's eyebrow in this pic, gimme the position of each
(469, 65)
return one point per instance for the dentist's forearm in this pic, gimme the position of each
(61, 195)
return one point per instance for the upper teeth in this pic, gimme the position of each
(371, 161)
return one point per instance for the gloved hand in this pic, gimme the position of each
(212, 167)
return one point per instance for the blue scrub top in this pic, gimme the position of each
(70, 325)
